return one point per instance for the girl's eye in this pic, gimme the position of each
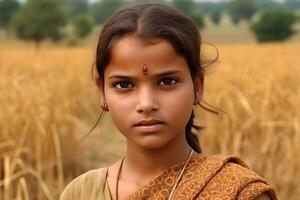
(123, 85)
(168, 81)
(126, 84)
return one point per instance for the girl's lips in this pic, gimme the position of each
(149, 128)
(148, 122)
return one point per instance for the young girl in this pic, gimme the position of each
(150, 75)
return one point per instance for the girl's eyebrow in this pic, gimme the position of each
(171, 72)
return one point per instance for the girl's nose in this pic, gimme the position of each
(146, 101)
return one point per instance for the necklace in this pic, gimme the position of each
(180, 175)
(174, 186)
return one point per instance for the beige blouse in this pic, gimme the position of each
(93, 185)
(90, 185)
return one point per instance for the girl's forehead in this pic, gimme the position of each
(132, 51)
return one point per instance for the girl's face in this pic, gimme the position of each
(165, 94)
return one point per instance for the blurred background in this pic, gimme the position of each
(48, 101)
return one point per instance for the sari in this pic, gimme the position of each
(205, 178)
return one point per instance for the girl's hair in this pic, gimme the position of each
(154, 20)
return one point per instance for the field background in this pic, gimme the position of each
(48, 103)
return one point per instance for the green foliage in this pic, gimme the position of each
(274, 25)
(104, 9)
(184, 5)
(216, 16)
(241, 9)
(75, 7)
(38, 20)
(235, 19)
(264, 5)
(206, 8)
(7, 9)
(199, 20)
(188, 7)
(83, 25)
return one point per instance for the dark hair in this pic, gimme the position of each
(154, 20)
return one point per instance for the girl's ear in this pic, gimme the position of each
(199, 85)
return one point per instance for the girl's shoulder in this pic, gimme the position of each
(90, 183)
(218, 163)
(226, 173)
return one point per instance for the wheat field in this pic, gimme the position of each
(49, 102)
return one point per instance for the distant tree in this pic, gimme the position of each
(7, 10)
(274, 25)
(199, 20)
(38, 20)
(241, 9)
(216, 16)
(207, 7)
(102, 10)
(75, 7)
(187, 6)
(83, 25)
(184, 5)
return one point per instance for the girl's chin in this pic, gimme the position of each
(151, 142)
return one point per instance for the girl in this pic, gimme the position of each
(149, 75)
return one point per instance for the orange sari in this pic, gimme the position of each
(207, 177)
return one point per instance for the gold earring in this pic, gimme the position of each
(104, 107)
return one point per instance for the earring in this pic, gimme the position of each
(104, 107)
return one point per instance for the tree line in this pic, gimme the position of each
(38, 20)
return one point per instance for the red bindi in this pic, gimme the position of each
(145, 70)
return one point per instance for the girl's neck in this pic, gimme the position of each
(148, 163)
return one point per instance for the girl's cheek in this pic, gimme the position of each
(119, 102)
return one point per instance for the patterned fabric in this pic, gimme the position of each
(207, 177)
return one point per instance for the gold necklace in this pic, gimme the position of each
(174, 186)
(180, 175)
